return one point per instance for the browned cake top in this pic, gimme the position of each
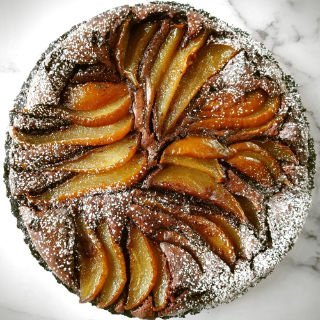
(159, 160)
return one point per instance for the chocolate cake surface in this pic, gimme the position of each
(159, 161)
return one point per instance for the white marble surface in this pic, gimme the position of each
(291, 29)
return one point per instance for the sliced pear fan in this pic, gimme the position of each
(93, 261)
(197, 183)
(118, 178)
(79, 135)
(103, 159)
(163, 60)
(210, 60)
(117, 277)
(172, 77)
(143, 268)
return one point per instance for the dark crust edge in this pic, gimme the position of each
(291, 86)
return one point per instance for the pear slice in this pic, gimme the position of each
(143, 268)
(264, 115)
(139, 38)
(117, 277)
(197, 183)
(253, 168)
(79, 135)
(197, 147)
(94, 95)
(118, 178)
(210, 60)
(103, 159)
(172, 77)
(278, 150)
(108, 114)
(161, 287)
(209, 166)
(93, 261)
(122, 44)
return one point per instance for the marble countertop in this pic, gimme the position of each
(290, 28)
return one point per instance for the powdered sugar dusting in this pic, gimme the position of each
(200, 278)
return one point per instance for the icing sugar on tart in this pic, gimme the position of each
(158, 161)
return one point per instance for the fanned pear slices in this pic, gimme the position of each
(103, 159)
(210, 60)
(213, 235)
(248, 157)
(110, 113)
(118, 178)
(264, 115)
(93, 261)
(162, 62)
(94, 95)
(197, 183)
(117, 277)
(80, 135)
(172, 77)
(143, 268)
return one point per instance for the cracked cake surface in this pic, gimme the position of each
(158, 161)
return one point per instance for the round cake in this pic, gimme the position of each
(159, 161)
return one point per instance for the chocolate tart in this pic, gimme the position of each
(159, 161)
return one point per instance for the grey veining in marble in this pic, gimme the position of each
(291, 29)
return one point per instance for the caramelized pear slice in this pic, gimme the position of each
(230, 230)
(117, 277)
(111, 113)
(199, 184)
(172, 77)
(161, 287)
(209, 166)
(138, 41)
(213, 235)
(94, 95)
(253, 168)
(264, 115)
(278, 150)
(210, 60)
(79, 135)
(93, 261)
(122, 44)
(250, 210)
(250, 103)
(103, 159)
(143, 268)
(250, 133)
(197, 147)
(162, 62)
(118, 178)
